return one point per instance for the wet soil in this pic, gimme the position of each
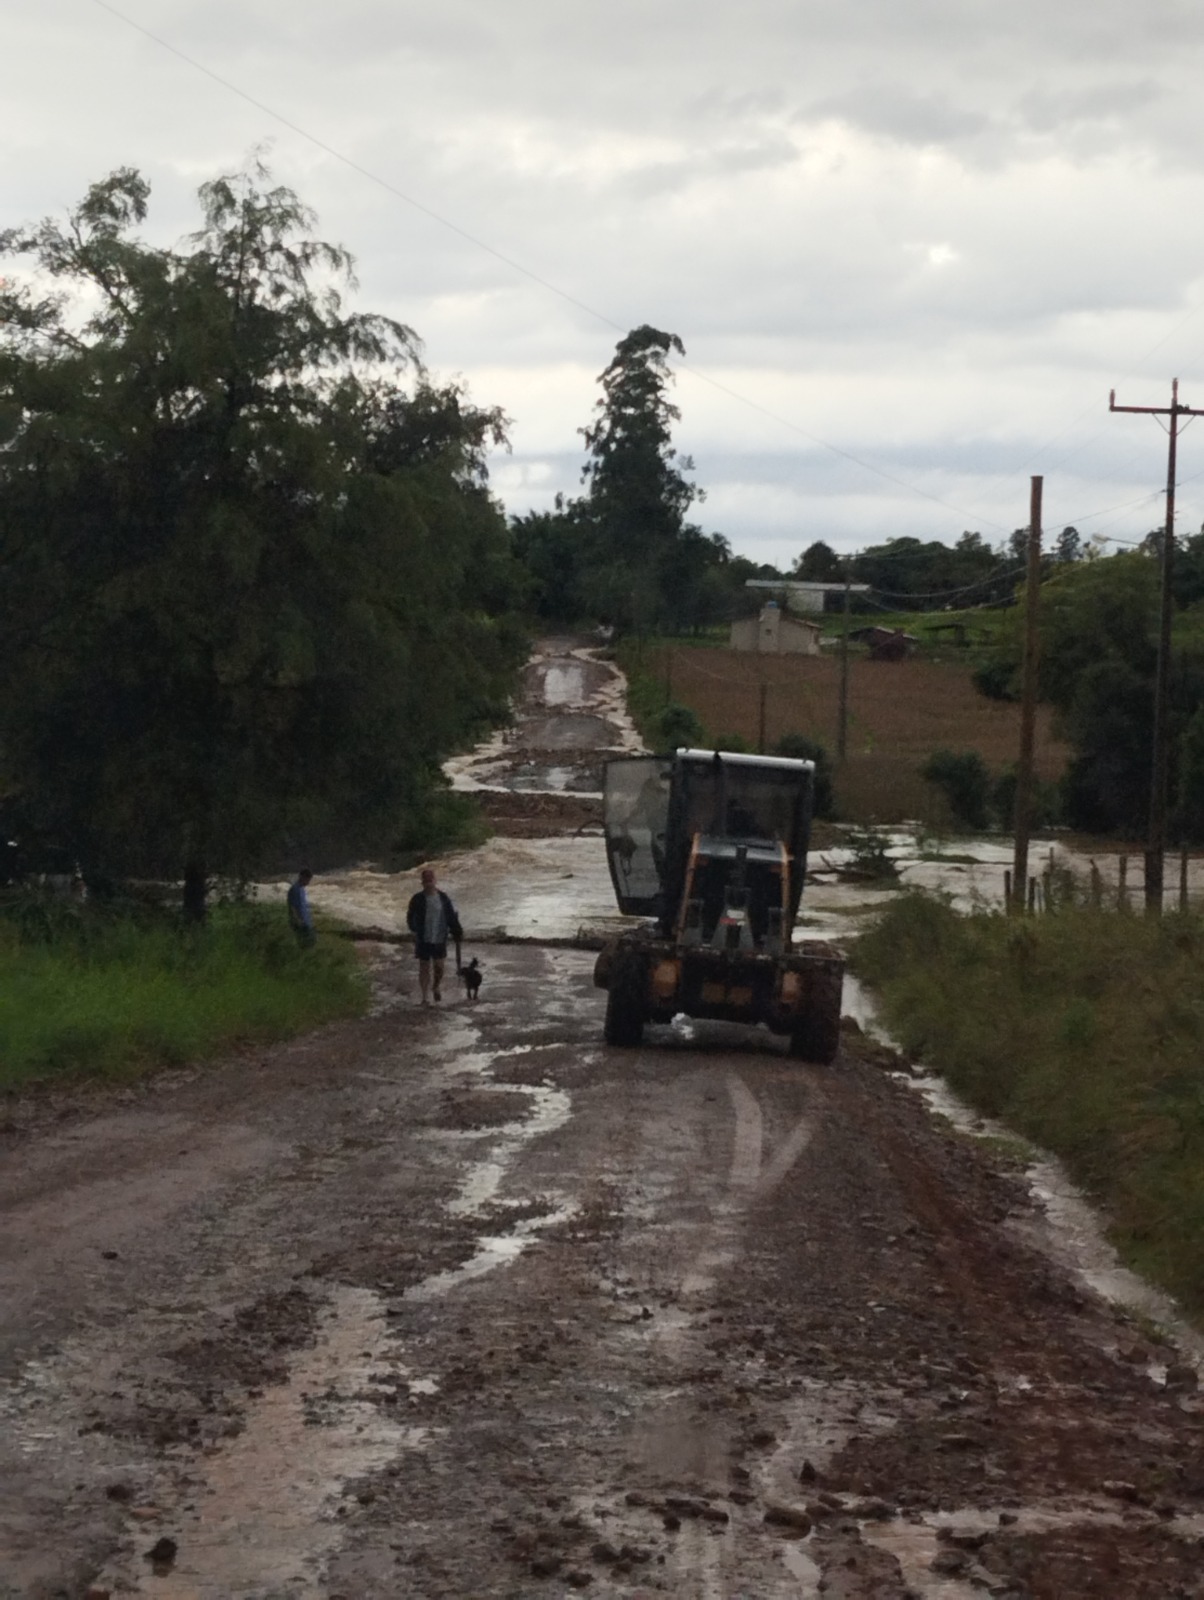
(459, 1302)
(537, 816)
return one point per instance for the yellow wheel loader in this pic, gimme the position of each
(710, 848)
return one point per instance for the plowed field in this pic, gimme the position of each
(899, 713)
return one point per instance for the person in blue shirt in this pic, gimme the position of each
(431, 917)
(300, 917)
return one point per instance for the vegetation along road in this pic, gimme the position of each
(460, 1302)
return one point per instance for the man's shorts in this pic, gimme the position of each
(431, 952)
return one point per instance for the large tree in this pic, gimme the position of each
(637, 492)
(252, 583)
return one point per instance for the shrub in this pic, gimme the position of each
(801, 748)
(962, 777)
(677, 726)
(996, 680)
(1047, 808)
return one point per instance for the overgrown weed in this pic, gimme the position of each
(1083, 1031)
(111, 993)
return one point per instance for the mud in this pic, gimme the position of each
(459, 1302)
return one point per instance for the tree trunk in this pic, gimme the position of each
(196, 888)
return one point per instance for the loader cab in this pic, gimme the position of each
(706, 835)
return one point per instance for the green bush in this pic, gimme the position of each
(963, 778)
(799, 747)
(678, 727)
(1047, 811)
(996, 679)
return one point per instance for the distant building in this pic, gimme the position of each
(886, 644)
(776, 633)
(806, 596)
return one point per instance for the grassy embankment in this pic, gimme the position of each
(1082, 1030)
(84, 992)
(900, 712)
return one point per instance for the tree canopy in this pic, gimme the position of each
(252, 582)
(623, 552)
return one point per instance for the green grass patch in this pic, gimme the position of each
(1084, 1032)
(89, 993)
(940, 635)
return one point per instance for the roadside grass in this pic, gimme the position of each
(1083, 1031)
(95, 994)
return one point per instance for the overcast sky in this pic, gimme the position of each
(927, 234)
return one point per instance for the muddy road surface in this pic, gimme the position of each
(458, 1302)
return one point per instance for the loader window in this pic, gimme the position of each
(742, 803)
(635, 815)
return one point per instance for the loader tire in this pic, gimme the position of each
(625, 1001)
(816, 1036)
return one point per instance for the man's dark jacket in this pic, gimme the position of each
(416, 915)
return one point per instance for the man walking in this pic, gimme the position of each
(300, 917)
(430, 917)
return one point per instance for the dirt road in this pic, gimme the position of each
(459, 1302)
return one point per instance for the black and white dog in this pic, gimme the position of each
(471, 975)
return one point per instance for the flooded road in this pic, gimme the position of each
(461, 1303)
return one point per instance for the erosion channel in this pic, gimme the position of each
(459, 1302)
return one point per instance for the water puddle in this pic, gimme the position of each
(551, 1109)
(492, 1251)
(262, 1516)
(564, 684)
(915, 1545)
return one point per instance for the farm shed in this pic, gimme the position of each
(886, 644)
(776, 633)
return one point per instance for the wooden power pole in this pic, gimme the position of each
(1156, 838)
(842, 725)
(1028, 703)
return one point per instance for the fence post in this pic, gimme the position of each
(1032, 896)
(1122, 883)
(1097, 885)
(1183, 880)
(1007, 890)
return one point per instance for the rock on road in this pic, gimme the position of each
(459, 1302)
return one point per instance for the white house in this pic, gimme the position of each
(776, 633)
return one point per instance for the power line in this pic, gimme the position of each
(527, 272)
(364, 172)
(948, 594)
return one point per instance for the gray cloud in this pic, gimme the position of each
(934, 234)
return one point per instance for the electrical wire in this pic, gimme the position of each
(949, 594)
(580, 305)
(527, 272)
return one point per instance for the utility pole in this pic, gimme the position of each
(842, 729)
(1028, 703)
(1156, 838)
